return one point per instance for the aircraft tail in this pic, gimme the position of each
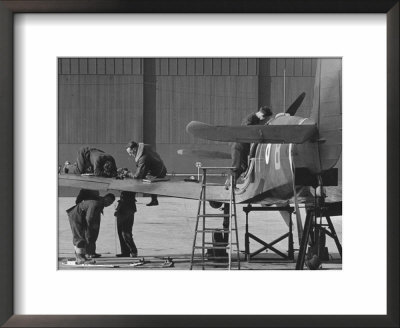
(327, 110)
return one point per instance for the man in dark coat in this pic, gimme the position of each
(92, 160)
(240, 151)
(125, 214)
(84, 219)
(87, 194)
(148, 163)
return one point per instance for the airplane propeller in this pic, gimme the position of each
(292, 109)
(200, 153)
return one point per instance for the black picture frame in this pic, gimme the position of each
(7, 198)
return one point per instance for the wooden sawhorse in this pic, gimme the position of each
(289, 234)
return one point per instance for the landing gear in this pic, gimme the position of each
(315, 231)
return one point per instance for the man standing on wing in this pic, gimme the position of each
(240, 151)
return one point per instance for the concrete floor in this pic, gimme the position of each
(168, 230)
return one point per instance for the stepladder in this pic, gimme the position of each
(214, 246)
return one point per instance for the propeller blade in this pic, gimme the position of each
(204, 153)
(253, 133)
(292, 109)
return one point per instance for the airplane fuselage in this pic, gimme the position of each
(271, 171)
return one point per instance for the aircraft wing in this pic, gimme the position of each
(174, 187)
(201, 153)
(253, 133)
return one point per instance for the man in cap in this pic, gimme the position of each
(148, 163)
(84, 219)
(240, 151)
(92, 160)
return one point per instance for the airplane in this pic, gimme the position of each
(292, 158)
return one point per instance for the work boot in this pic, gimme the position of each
(93, 256)
(314, 263)
(81, 259)
(123, 255)
(153, 203)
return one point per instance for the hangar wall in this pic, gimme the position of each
(102, 101)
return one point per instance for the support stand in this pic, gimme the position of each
(312, 226)
(289, 235)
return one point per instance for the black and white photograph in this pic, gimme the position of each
(208, 163)
(191, 167)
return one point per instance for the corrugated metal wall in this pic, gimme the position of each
(210, 99)
(101, 99)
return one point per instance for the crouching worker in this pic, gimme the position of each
(87, 194)
(148, 163)
(125, 214)
(84, 219)
(92, 160)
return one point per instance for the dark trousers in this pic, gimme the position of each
(82, 164)
(83, 160)
(84, 233)
(239, 154)
(162, 174)
(124, 227)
